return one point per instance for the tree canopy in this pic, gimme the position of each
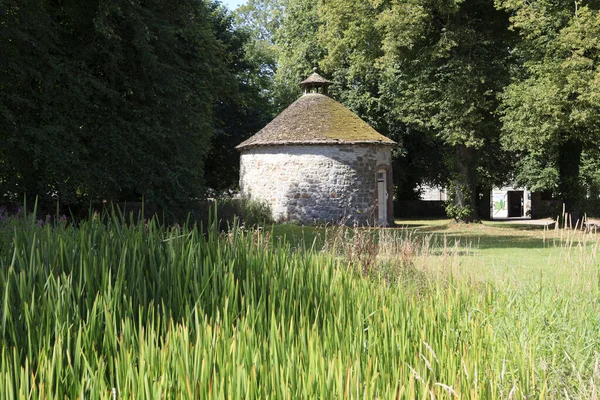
(116, 100)
(479, 94)
(551, 109)
(105, 100)
(426, 74)
(446, 63)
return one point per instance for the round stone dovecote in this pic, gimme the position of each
(317, 162)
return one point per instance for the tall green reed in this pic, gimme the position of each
(136, 309)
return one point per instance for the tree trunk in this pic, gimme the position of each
(569, 186)
(464, 185)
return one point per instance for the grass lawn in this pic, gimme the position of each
(506, 251)
(492, 250)
(546, 280)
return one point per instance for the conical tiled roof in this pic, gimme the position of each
(316, 119)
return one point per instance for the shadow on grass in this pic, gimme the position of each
(489, 242)
(415, 225)
(452, 252)
(483, 236)
(443, 234)
(522, 227)
(428, 228)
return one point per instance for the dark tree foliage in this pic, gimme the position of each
(110, 100)
(242, 109)
(550, 111)
(446, 62)
(423, 160)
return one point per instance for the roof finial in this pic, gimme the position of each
(315, 83)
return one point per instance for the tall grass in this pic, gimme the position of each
(132, 309)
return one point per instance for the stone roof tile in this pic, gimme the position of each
(316, 119)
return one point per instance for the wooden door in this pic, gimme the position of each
(515, 203)
(382, 196)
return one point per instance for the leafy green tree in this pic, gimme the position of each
(108, 99)
(244, 106)
(298, 49)
(345, 40)
(590, 172)
(425, 74)
(552, 106)
(31, 159)
(355, 59)
(445, 63)
(260, 19)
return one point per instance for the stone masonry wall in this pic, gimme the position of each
(316, 183)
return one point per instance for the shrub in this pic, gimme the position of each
(458, 213)
(249, 212)
(255, 212)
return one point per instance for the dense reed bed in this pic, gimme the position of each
(126, 309)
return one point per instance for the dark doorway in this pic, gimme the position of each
(515, 203)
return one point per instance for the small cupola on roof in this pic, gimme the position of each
(315, 83)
